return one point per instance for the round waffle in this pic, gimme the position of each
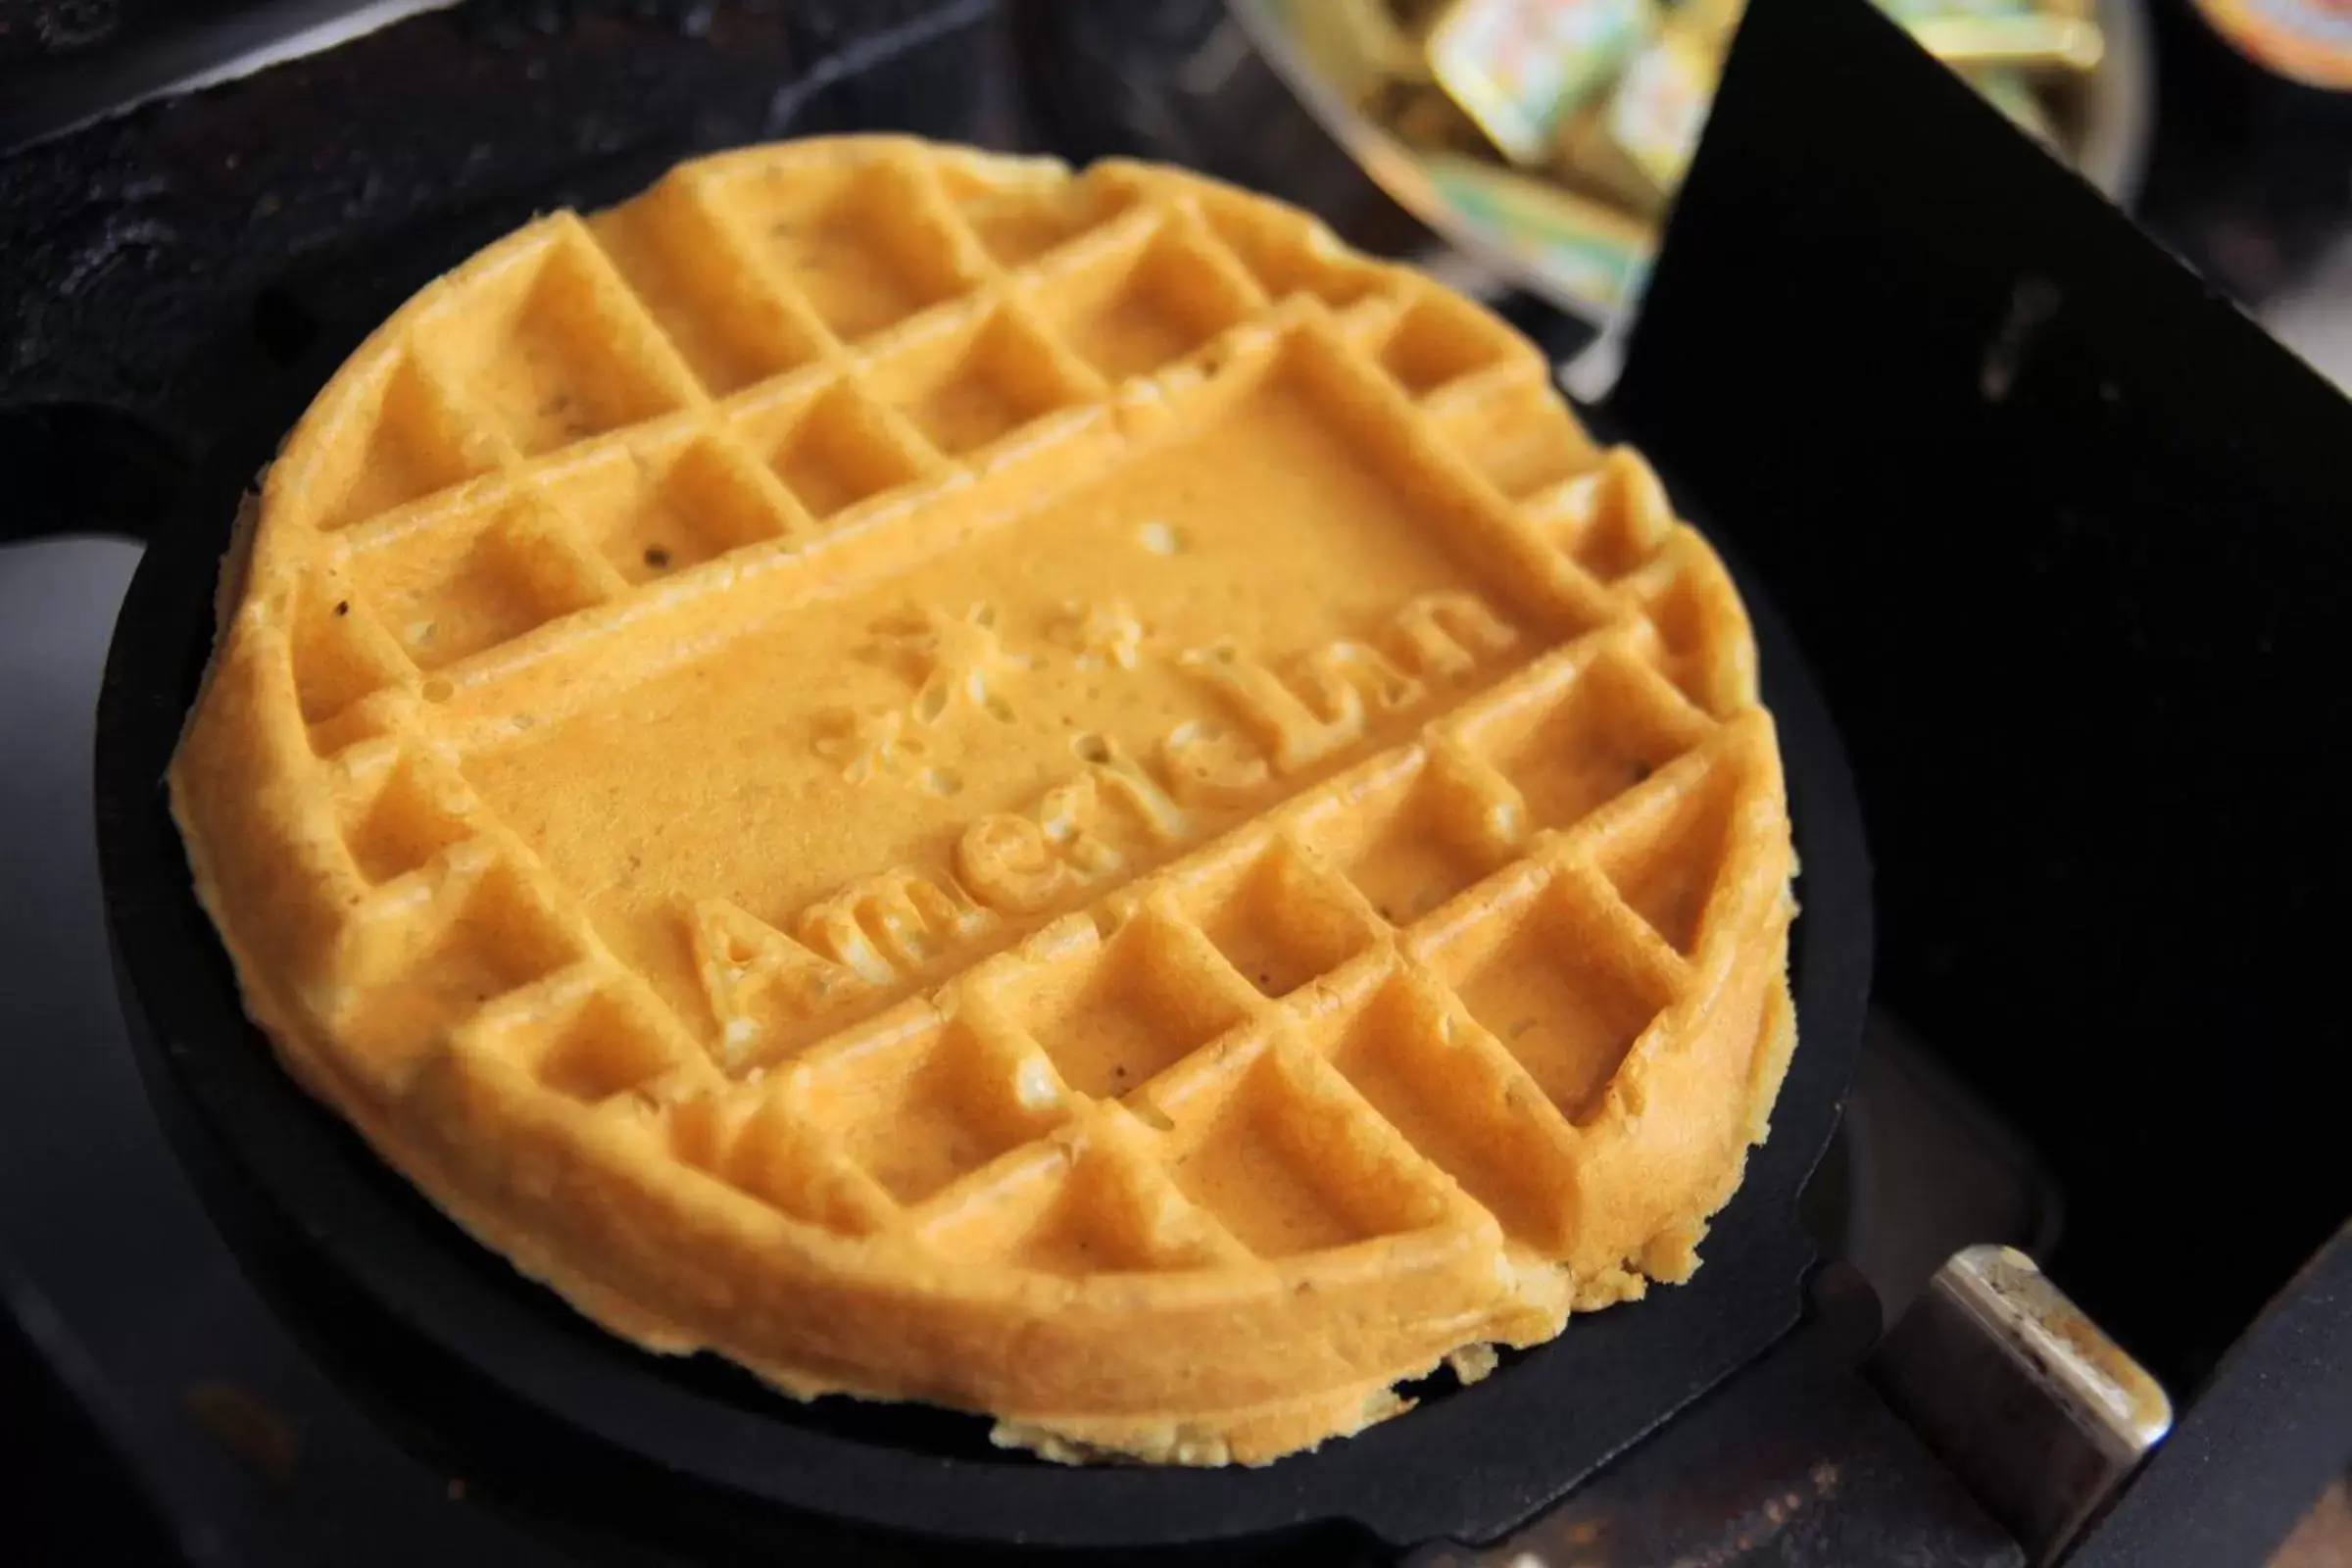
(1051, 794)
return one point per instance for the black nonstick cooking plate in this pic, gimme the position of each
(498, 1378)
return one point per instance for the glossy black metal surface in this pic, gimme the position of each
(1797, 1461)
(160, 270)
(2063, 533)
(2264, 1437)
(65, 63)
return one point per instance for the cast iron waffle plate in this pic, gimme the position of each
(313, 1211)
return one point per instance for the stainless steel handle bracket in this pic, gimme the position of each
(2032, 1406)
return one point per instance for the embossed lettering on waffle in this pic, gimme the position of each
(1339, 928)
(1104, 633)
(1253, 1061)
(958, 660)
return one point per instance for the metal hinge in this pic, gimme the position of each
(2041, 1415)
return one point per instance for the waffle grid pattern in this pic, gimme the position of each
(1338, 1023)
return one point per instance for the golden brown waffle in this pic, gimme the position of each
(1049, 794)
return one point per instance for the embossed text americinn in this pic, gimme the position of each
(876, 934)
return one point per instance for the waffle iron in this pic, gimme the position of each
(302, 1196)
(1702, 1409)
(1469, 1465)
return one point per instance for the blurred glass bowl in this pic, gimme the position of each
(1585, 256)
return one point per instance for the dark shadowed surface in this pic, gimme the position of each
(2063, 533)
